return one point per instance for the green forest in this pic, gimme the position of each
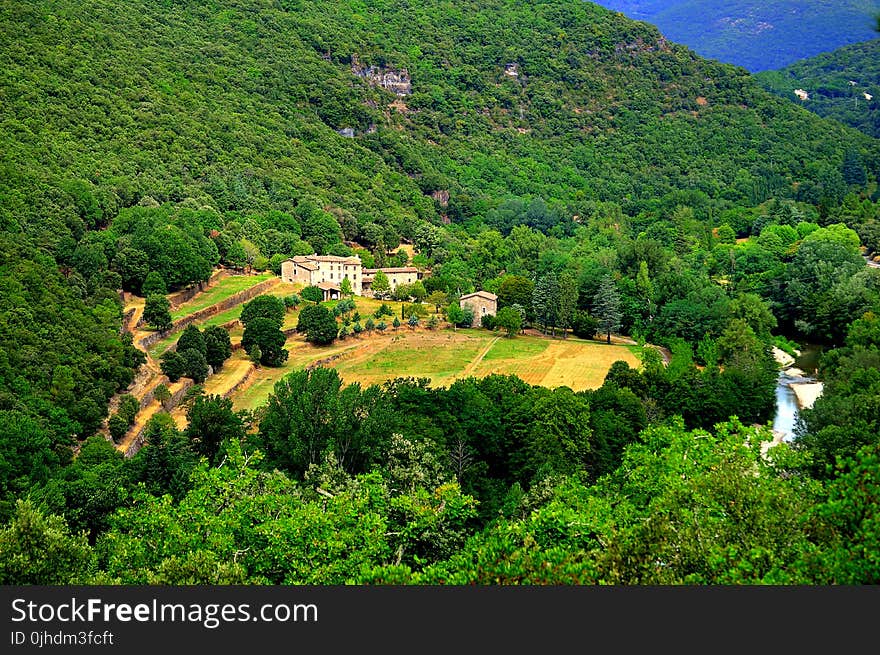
(844, 85)
(595, 176)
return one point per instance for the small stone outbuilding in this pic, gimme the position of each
(482, 303)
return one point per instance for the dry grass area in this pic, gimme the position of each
(573, 363)
(444, 356)
(234, 370)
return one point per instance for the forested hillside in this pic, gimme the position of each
(597, 177)
(843, 85)
(757, 35)
(242, 112)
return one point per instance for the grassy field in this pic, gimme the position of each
(444, 356)
(440, 356)
(219, 292)
(301, 355)
(571, 362)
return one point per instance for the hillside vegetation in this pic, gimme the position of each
(599, 179)
(236, 106)
(843, 85)
(756, 35)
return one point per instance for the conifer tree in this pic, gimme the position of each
(606, 306)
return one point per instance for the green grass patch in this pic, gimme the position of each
(301, 355)
(407, 357)
(516, 347)
(225, 288)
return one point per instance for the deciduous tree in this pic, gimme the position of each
(157, 312)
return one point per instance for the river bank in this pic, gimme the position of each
(795, 389)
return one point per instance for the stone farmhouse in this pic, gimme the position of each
(482, 303)
(327, 272)
(396, 277)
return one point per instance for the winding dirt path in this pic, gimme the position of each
(150, 375)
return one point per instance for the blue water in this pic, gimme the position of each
(786, 409)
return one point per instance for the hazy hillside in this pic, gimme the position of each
(757, 35)
(844, 85)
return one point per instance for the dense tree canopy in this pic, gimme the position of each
(616, 183)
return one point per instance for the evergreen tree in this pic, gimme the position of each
(218, 347)
(567, 303)
(172, 365)
(318, 324)
(195, 365)
(263, 333)
(545, 302)
(853, 170)
(606, 307)
(265, 306)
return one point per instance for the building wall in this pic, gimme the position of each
(291, 272)
(335, 272)
(481, 307)
(326, 271)
(395, 279)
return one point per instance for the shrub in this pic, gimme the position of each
(312, 294)
(128, 408)
(384, 310)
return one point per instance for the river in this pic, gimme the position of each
(785, 420)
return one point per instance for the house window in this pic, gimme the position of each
(484, 310)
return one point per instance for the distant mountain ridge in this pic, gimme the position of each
(843, 85)
(757, 35)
